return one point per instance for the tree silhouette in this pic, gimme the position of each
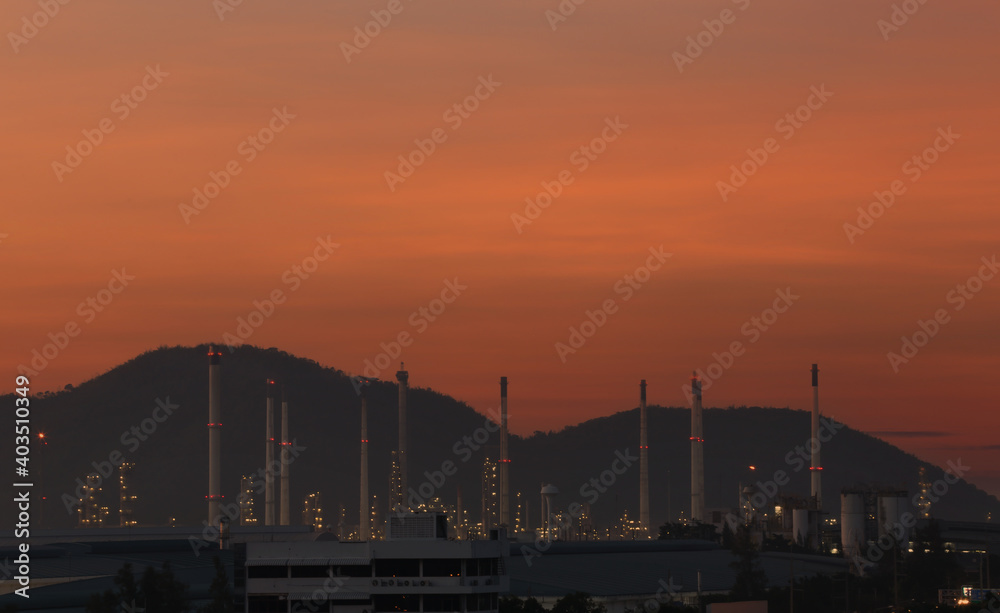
(156, 592)
(221, 592)
(577, 602)
(751, 581)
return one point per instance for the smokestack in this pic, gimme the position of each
(504, 458)
(643, 461)
(697, 454)
(269, 457)
(365, 509)
(459, 528)
(403, 377)
(214, 436)
(816, 470)
(285, 459)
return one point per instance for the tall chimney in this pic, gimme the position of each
(504, 458)
(365, 509)
(697, 454)
(269, 457)
(214, 437)
(643, 461)
(459, 528)
(816, 470)
(285, 459)
(403, 377)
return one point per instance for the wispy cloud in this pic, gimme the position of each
(909, 433)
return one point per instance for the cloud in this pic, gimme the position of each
(909, 433)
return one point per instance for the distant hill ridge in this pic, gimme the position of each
(152, 411)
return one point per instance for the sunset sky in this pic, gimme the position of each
(556, 83)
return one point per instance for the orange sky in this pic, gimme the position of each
(655, 185)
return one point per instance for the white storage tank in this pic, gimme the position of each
(852, 523)
(890, 509)
(800, 526)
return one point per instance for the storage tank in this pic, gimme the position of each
(852, 523)
(890, 509)
(800, 526)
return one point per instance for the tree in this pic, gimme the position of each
(128, 591)
(751, 581)
(698, 531)
(105, 602)
(776, 542)
(222, 594)
(510, 604)
(156, 592)
(513, 604)
(931, 566)
(578, 602)
(533, 606)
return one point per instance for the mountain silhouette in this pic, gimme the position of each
(163, 394)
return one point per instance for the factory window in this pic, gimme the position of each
(309, 572)
(482, 602)
(482, 567)
(442, 567)
(397, 568)
(359, 570)
(386, 603)
(440, 603)
(267, 572)
(266, 604)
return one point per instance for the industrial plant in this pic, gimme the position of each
(420, 551)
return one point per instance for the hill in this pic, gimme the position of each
(87, 425)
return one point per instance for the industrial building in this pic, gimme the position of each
(415, 569)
